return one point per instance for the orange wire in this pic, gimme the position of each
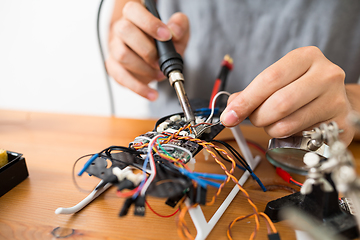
(183, 230)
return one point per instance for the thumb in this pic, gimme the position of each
(180, 29)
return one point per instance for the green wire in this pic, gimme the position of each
(159, 144)
(158, 141)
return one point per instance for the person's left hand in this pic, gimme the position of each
(298, 92)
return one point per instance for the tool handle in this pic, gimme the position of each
(169, 59)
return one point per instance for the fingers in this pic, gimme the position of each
(144, 20)
(311, 115)
(133, 56)
(300, 91)
(125, 78)
(280, 74)
(133, 62)
(137, 41)
(180, 29)
(288, 99)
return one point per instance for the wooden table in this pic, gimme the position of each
(52, 142)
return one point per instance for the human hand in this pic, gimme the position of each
(132, 61)
(296, 93)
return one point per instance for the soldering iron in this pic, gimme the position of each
(171, 64)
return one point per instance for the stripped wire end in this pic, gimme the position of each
(227, 62)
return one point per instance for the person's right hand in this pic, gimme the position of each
(133, 59)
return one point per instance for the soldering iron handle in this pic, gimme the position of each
(169, 59)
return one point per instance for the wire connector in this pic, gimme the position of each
(139, 206)
(126, 206)
(274, 236)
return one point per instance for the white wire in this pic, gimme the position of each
(152, 166)
(94, 194)
(213, 104)
(178, 147)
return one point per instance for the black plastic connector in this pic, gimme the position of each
(140, 206)
(109, 179)
(173, 201)
(125, 209)
(201, 195)
(274, 236)
(125, 184)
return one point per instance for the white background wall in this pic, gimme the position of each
(50, 61)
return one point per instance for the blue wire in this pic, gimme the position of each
(200, 181)
(220, 177)
(258, 181)
(206, 111)
(240, 167)
(254, 177)
(144, 174)
(88, 163)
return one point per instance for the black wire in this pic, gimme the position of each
(227, 160)
(236, 154)
(111, 97)
(107, 154)
(73, 174)
(118, 160)
(108, 150)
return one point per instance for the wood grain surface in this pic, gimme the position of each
(52, 142)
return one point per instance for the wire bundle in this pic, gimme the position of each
(207, 146)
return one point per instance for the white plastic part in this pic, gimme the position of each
(191, 164)
(206, 154)
(121, 174)
(183, 133)
(162, 126)
(135, 178)
(94, 194)
(175, 118)
(199, 120)
(311, 159)
(203, 227)
(307, 186)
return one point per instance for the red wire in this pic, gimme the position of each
(281, 172)
(296, 182)
(163, 216)
(127, 194)
(254, 145)
(214, 91)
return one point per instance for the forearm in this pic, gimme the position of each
(353, 94)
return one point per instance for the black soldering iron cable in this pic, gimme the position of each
(111, 97)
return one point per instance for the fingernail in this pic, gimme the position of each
(152, 96)
(176, 30)
(163, 33)
(230, 118)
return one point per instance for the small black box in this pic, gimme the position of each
(13, 173)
